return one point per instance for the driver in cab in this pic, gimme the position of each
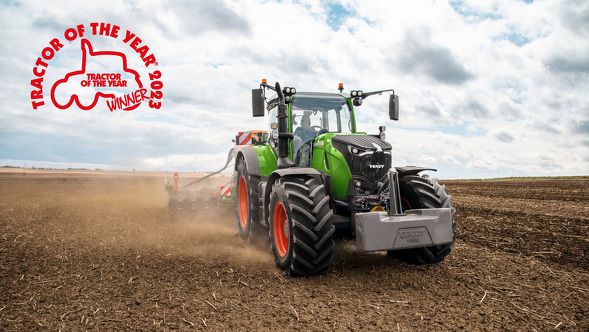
(303, 134)
(305, 131)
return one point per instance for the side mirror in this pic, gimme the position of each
(394, 107)
(258, 102)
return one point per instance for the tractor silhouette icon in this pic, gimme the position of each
(88, 51)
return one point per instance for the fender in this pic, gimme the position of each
(286, 172)
(251, 159)
(412, 170)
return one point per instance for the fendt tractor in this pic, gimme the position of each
(314, 175)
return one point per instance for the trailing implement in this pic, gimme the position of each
(314, 175)
(195, 198)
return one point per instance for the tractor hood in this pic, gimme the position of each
(363, 143)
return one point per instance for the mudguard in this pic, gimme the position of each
(251, 159)
(412, 170)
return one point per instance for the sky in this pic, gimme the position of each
(487, 88)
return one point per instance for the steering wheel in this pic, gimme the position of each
(316, 128)
(319, 130)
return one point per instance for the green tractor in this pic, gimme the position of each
(315, 175)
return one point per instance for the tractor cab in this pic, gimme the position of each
(314, 114)
(310, 115)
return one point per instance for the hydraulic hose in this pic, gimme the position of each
(230, 156)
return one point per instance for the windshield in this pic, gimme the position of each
(325, 113)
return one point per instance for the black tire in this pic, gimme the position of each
(186, 207)
(173, 208)
(301, 229)
(424, 193)
(247, 209)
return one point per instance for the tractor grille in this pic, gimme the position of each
(373, 159)
(362, 165)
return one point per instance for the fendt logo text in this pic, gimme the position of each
(99, 75)
(376, 166)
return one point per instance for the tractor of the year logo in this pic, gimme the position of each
(121, 88)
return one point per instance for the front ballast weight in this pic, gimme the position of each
(395, 230)
(415, 229)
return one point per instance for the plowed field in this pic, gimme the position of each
(96, 251)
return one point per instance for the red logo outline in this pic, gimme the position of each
(86, 47)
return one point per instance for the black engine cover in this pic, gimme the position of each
(368, 157)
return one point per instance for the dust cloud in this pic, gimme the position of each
(122, 212)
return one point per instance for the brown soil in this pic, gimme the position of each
(96, 251)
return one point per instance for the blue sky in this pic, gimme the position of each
(487, 88)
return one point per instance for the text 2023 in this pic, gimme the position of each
(156, 86)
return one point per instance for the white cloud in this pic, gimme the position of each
(487, 88)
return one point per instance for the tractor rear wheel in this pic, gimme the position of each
(423, 193)
(247, 209)
(301, 229)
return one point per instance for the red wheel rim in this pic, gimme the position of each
(408, 206)
(243, 202)
(281, 229)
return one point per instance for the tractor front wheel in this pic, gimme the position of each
(301, 229)
(419, 192)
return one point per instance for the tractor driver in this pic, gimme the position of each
(305, 131)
